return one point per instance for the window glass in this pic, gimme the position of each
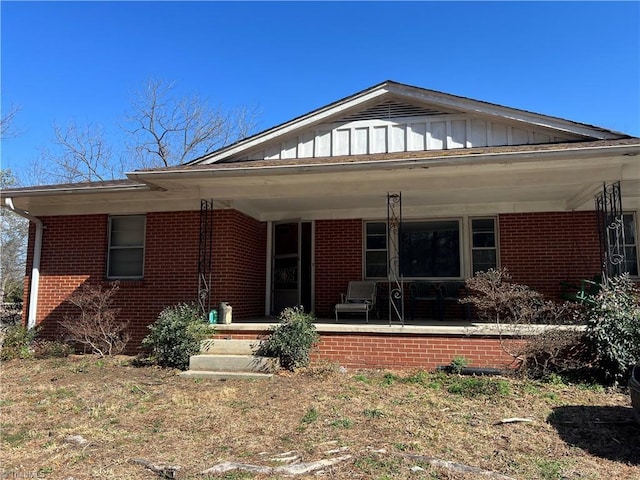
(126, 246)
(430, 249)
(630, 245)
(376, 250)
(484, 252)
(126, 262)
(127, 231)
(376, 264)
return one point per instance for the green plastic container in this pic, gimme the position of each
(213, 317)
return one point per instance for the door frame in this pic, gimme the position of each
(270, 259)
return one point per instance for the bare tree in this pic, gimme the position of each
(81, 154)
(172, 131)
(13, 246)
(7, 128)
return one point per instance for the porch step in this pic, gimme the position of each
(232, 363)
(225, 359)
(228, 346)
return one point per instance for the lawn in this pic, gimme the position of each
(82, 417)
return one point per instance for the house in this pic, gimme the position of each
(291, 215)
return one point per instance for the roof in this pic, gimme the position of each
(394, 89)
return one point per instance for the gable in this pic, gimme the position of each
(408, 128)
(395, 118)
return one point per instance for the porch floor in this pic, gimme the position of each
(346, 320)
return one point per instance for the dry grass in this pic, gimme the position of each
(126, 413)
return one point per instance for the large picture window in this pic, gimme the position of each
(433, 248)
(430, 249)
(126, 247)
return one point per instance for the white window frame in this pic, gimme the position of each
(496, 232)
(365, 249)
(110, 248)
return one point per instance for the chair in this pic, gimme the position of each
(582, 293)
(450, 292)
(360, 298)
(423, 291)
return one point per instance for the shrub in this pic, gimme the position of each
(176, 335)
(519, 312)
(10, 313)
(292, 340)
(96, 325)
(613, 328)
(50, 349)
(16, 343)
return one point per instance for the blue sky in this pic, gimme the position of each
(82, 61)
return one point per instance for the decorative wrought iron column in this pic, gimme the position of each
(205, 255)
(396, 284)
(611, 229)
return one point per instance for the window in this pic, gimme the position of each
(433, 248)
(430, 249)
(484, 250)
(630, 244)
(375, 250)
(126, 246)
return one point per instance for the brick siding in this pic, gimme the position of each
(539, 249)
(543, 249)
(74, 251)
(338, 260)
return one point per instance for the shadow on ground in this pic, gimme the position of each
(606, 432)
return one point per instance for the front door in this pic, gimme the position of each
(291, 266)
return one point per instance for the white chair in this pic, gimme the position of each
(360, 298)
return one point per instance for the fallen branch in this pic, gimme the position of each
(297, 469)
(513, 420)
(163, 469)
(456, 467)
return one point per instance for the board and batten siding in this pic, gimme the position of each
(410, 134)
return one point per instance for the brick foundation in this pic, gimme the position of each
(398, 351)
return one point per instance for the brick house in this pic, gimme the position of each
(291, 215)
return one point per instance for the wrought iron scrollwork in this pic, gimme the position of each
(396, 284)
(611, 229)
(205, 255)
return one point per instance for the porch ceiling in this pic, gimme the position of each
(463, 186)
(426, 190)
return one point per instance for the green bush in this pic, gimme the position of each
(613, 328)
(292, 340)
(176, 335)
(16, 343)
(50, 349)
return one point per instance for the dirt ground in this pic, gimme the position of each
(86, 418)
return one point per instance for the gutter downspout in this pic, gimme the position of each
(35, 269)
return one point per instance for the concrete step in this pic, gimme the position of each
(226, 375)
(222, 346)
(233, 363)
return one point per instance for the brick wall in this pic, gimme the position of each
(543, 249)
(396, 351)
(338, 260)
(75, 250)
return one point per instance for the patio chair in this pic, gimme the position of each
(360, 298)
(582, 293)
(453, 292)
(424, 292)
